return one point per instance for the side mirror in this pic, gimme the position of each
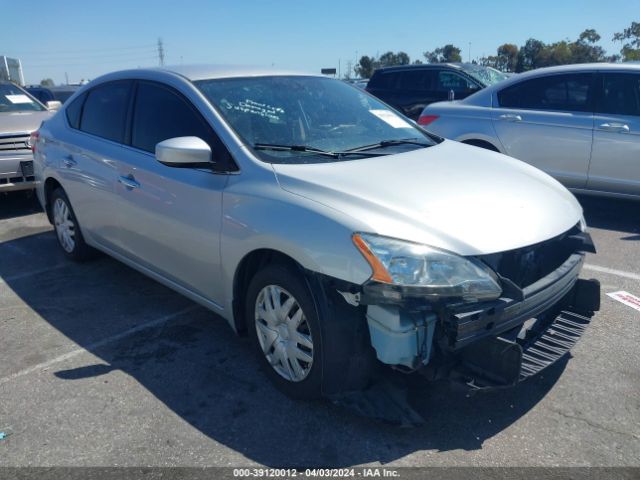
(54, 105)
(184, 152)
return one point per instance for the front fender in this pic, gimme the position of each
(263, 216)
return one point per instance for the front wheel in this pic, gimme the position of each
(283, 323)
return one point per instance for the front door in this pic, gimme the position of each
(171, 219)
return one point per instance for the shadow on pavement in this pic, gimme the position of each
(209, 377)
(18, 204)
(612, 214)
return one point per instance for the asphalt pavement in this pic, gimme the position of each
(101, 366)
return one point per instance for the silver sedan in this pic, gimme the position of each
(578, 123)
(334, 231)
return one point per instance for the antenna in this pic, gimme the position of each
(160, 52)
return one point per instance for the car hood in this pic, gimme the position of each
(21, 122)
(456, 197)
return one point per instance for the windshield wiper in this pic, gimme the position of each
(307, 149)
(388, 143)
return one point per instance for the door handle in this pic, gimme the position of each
(129, 182)
(510, 117)
(614, 127)
(69, 161)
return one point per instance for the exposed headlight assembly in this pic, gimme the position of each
(427, 271)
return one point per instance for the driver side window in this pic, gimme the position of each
(160, 114)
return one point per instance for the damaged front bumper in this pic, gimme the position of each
(486, 345)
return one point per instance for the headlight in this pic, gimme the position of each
(428, 270)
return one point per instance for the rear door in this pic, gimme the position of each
(89, 154)
(171, 217)
(615, 159)
(548, 122)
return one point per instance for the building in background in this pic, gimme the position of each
(11, 69)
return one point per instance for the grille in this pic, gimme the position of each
(525, 266)
(14, 143)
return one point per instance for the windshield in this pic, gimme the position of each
(486, 75)
(14, 99)
(315, 115)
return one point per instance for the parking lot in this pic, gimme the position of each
(101, 366)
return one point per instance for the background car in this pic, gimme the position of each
(48, 94)
(20, 115)
(579, 123)
(409, 88)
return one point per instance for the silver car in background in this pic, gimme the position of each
(20, 115)
(578, 123)
(334, 231)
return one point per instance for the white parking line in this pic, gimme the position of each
(611, 271)
(31, 273)
(93, 346)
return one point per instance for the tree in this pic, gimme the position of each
(448, 53)
(365, 67)
(630, 50)
(507, 59)
(389, 59)
(47, 82)
(528, 56)
(584, 49)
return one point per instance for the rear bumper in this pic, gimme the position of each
(16, 173)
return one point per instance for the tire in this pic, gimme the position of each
(340, 349)
(298, 377)
(67, 228)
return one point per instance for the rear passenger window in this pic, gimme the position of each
(384, 80)
(571, 93)
(74, 110)
(416, 80)
(105, 110)
(160, 114)
(620, 94)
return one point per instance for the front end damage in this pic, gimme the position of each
(542, 312)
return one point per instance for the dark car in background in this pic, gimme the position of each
(410, 88)
(49, 94)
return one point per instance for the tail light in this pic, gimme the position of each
(427, 119)
(33, 139)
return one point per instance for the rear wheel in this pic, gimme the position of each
(67, 228)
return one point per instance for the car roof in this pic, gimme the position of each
(395, 68)
(199, 72)
(202, 72)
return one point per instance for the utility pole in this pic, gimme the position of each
(160, 52)
(469, 52)
(66, 76)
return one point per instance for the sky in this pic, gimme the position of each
(84, 39)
